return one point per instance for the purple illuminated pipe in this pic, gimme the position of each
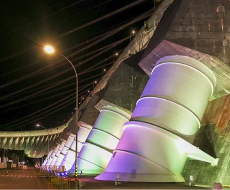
(157, 140)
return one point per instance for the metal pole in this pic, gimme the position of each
(48, 151)
(76, 181)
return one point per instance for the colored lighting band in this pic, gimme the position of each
(183, 64)
(169, 134)
(115, 113)
(198, 121)
(105, 132)
(90, 162)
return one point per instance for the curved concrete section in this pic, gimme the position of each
(34, 142)
(102, 140)
(69, 155)
(157, 140)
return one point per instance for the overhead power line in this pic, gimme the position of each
(66, 92)
(113, 32)
(47, 112)
(41, 110)
(65, 104)
(64, 80)
(60, 59)
(102, 18)
(46, 68)
(56, 108)
(42, 18)
(85, 25)
(37, 92)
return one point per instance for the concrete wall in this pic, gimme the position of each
(213, 138)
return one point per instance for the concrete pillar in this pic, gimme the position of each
(53, 163)
(64, 150)
(47, 158)
(52, 155)
(157, 140)
(102, 140)
(70, 156)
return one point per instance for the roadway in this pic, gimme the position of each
(28, 179)
(22, 179)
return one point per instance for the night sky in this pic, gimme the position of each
(30, 92)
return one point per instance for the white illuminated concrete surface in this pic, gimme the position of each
(34, 143)
(102, 140)
(69, 155)
(52, 157)
(157, 140)
(57, 153)
(47, 158)
(64, 150)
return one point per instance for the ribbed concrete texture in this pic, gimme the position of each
(47, 158)
(102, 140)
(70, 155)
(35, 142)
(64, 150)
(156, 141)
(52, 157)
(53, 163)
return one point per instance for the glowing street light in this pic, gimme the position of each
(49, 49)
(116, 54)
(131, 34)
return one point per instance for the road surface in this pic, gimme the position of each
(22, 179)
(27, 179)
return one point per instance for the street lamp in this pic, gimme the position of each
(38, 125)
(116, 54)
(94, 83)
(131, 34)
(103, 71)
(49, 49)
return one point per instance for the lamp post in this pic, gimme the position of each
(38, 125)
(131, 34)
(50, 50)
(115, 55)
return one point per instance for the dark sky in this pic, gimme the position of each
(27, 94)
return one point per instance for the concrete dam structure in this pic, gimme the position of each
(156, 141)
(173, 79)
